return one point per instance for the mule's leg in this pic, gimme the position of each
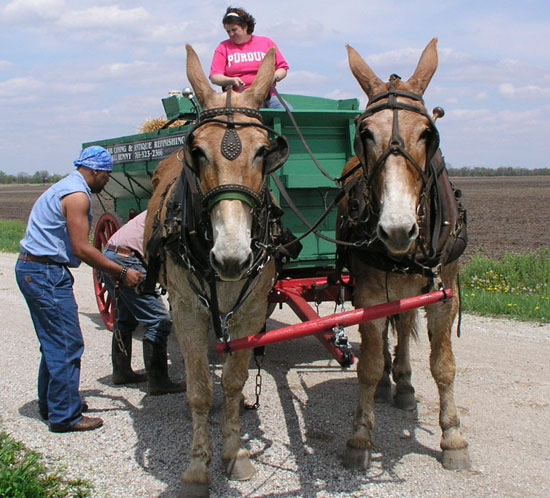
(191, 329)
(370, 368)
(442, 363)
(383, 392)
(404, 391)
(235, 457)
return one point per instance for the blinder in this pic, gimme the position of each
(276, 155)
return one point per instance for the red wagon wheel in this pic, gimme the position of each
(106, 226)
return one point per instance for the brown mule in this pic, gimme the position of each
(404, 216)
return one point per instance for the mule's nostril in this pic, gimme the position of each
(413, 232)
(213, 260)
(382, 234)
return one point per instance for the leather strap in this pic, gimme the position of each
(37, 259)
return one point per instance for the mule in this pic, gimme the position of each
(409, 230)
(208, 225)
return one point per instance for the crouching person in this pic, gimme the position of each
(125, 247)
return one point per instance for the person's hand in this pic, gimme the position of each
(238, 83)
(132, 278)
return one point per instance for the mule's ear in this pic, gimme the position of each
(257, 92)
(197, 78)
(369, 82)
(276, 156)
(425, 69)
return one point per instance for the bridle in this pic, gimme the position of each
(397, 144)
(231, 148)
(430, 195)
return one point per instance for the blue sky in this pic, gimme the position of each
(76, 71)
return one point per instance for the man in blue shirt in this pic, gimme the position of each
(56, 238)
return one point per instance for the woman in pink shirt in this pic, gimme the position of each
(236, 60)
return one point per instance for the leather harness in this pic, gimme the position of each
(441, 217)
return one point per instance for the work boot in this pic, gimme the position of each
(155, 357)
(122, 368)
(85, 424)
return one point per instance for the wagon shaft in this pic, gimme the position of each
(322, 326)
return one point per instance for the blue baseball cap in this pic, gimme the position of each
(95, 157)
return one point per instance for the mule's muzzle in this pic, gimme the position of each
(231, 268)
(398, 238)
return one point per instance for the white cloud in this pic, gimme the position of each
(5, 65)
(16, 87)
(108, 17)
(511, 91)
(28, 11)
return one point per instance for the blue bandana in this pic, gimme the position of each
(95, 157)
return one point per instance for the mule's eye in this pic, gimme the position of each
(367, 134)
(426, 134)
(198, 155)
(260, 153)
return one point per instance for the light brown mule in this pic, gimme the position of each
(227, 253)
(399, 172)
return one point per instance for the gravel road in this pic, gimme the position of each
(298, 434)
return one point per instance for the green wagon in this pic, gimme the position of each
(327, 129)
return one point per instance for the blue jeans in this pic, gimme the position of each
(135, 308)
(272, 102)
(48, 290)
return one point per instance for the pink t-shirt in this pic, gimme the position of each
(131, 234)
(244, 60)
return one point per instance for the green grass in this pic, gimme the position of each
(23, 475)
(516, 286)
(11, 232)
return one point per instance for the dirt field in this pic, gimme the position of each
(16, 201)
(505, 214)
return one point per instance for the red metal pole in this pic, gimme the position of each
(306, 313)
(326, 323)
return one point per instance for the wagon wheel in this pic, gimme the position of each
(106, 226)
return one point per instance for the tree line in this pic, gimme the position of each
(42, 177)
(503, 171)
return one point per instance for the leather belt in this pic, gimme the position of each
(121, 250)
(25, 256)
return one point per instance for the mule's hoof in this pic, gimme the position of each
(239, 469)
(356, 459)
(456, 459)
(194, 490)
(383, 393)
(405, 401)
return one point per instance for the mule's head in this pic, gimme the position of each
(395, 138)
(231, 158)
